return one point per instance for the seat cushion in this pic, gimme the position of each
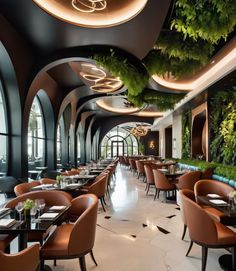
(219, 216)
(225, 235)
(57, 243)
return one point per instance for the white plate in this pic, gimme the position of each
(7, 222)
(213, 196)
(218, 202)
(57, 207)
(48, 216)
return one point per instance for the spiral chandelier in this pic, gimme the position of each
(140, 130)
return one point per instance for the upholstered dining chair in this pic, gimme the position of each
(205, 231)
(207, 173)
(204, 187)
(140, 169)
(25, 187)
(76, 240)
(149, 177)
(5, 240)
(99, 188)
(133, 166)
(162, 183)
(188, 180)
(27, 260)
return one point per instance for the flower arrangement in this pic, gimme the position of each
(28, 204)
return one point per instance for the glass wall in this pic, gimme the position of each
(118, 142)
(3, 136)
(36, 136)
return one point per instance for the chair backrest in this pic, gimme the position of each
(161, 182)
(202, 228)
(190, 194)
(25, 187)
(140, 166)
(70, 173)
(47, 181)
(149, 174)
(27, 259)
(188, 180)
(204, 187)
(207, 173)
(132, 164)
(83, 234)
(98, 188)
(50, 197)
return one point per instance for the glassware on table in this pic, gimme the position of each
(40, 204)
(19, 208)
(33, 212)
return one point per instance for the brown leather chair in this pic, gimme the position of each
(162, 183)
(207, 173)
(27, 260)
(47, 181)
(133, 166)
(51, 198)
(98, 188)
(188, 180)
(5, 240)
(204, 187)
(206, 232)
(76, 240)
(149, 177)
(140, 169)
(70, 173)
(25, 187)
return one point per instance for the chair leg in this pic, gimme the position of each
(190, 247)
(233, 258)
(103, 199)
(92, 256)
(148, 186)
(156, 193)
(54, 262)
(204, 257)
(103, 207)
(82, 263)
(42, 265)
(184, 232)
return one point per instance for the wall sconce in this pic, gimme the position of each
(152, 144)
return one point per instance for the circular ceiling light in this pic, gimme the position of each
(97, 79)
(117, 104)
(93, 13)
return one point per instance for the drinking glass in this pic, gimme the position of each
(19, 208)
(33, 212)
(39, 204)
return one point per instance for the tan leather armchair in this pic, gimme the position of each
(25, 187)
(162, 183)
(214, 235)
(76, 240)
(149, 177)
(204, 187)
(133, 166)
(5, 240)
(140, 169)
(27, 260)
(188, 180)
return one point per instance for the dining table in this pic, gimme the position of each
(23, 225)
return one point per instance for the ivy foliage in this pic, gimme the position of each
(175, 45)
(223, 127)
(119, 66)
(186, 134)
(162, 100)
(161, 64)
(210, 20)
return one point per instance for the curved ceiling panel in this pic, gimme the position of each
(93, 13)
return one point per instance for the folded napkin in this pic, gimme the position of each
(213, 196)
(7, 222)
(47, 216)
(3, 210)
(57, 207)
(218, 202)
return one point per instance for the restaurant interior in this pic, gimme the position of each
(118, 135)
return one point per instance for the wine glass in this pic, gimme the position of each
(42, 204)
(19, 208)
(33, 212)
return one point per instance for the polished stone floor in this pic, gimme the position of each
(139, 234)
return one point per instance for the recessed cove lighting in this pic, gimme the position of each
(93, 13)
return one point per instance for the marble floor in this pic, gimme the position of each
(139, 234)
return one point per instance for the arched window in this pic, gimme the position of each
(59, 144)
(119, 142)
(78, 149)
(36, 136)
(3, 136)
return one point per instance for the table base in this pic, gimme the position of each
(225, 262)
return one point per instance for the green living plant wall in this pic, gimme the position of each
(223, 126)
(186, 134)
